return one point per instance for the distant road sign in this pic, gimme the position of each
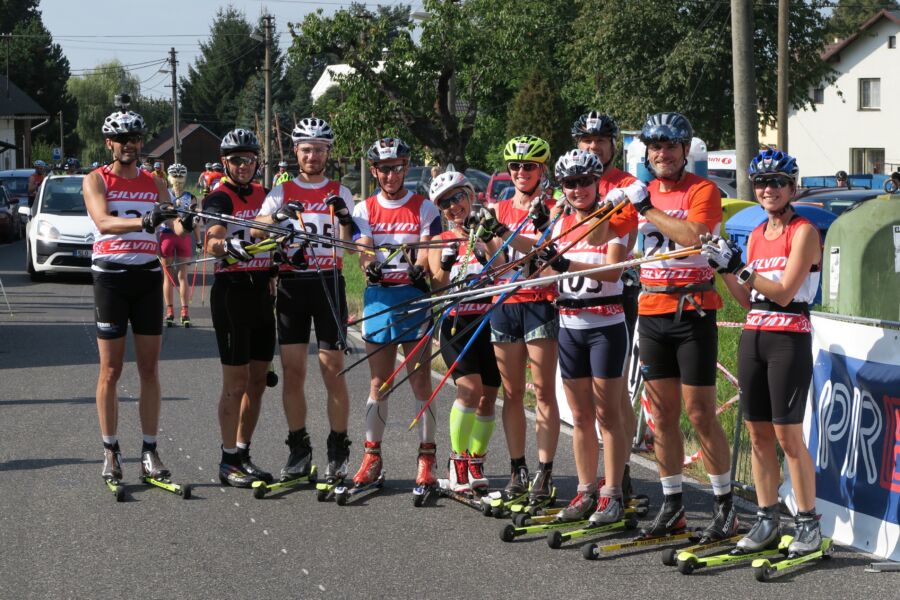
(57, 154)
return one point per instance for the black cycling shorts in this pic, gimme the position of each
(479, 359)
(598, 352)
(134, 296)
(687, 350)
(243, 315)
(301, 302)
(774, 370)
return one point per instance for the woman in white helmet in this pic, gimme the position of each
(174, 248)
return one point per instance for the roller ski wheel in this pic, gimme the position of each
(764, 569)
(521, 520)
(261, 488)
(343, 494)
(116, 488)
(686, 567)
(421, 494)
(271, 377)
(166, 484)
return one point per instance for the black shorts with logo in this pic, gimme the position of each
(686, 350)
(134, 296)
(243, 315)
(301, 302)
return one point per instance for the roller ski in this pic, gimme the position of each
(723, 530)
(498, 504)
(555, 539)
(638, 506)
(807, 545)
(541, 493)
(170, 317)
(155, 473)
(426, 482)
(338, 465)
(299, 469)
(669, 526)
(185, 319)
(458, 485)
(112, 471)
(369, 478)
(688, 560)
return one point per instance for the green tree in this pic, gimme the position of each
(848, 15)
(210, 94)
(683, 65)
(537, 109)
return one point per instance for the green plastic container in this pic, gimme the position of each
(731, 207)
(861, 261)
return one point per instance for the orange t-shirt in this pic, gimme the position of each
(693, 199)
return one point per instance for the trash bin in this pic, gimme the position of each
(730, 207)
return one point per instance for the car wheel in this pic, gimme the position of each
(29, 265)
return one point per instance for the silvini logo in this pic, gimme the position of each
(125, 195)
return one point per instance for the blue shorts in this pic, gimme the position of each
(598, 352)
(524, 322)
(407, 323)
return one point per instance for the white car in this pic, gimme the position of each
(60, 234)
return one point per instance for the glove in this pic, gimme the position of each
(374, 271)
(237, 249)
(723, 255)
(539, 214)
(156, 217)
(489, 223)
(631, 277)
(188, 221)
(340, 209)
(448, 256)
(288, 211)
(639, 197)
(416, 274)
(470, 223)
(550, 255)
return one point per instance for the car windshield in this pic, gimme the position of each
(15, 185)
(499, 186)
(63, 196)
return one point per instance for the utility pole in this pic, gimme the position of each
(267, 116)
(746, 129)
(784, 10)
(62, 150)
(176, 141)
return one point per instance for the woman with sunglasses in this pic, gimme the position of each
(241, 303)
(593, 342)
(476, 375)
(775, 353)
(525, 326)
(388, 220)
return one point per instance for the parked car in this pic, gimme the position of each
(727, 187)
(16, 183)
(9, 221)
(834, 200)
(496, 185)
(418, 180)
(60, 234)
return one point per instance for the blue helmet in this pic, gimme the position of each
(773, 162)
(667, 127)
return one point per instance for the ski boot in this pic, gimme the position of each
(155, 473)
(369, 476)
(250, 468)
(807, 534)
(185, 319)
(669, 520)
(170, 316)
(609, 510)
(724, 523)
(764, 533)
(458, 473)
(580, 508)
(112, 470)
(426, 482)
(338, 464)
(542, 492)
(498, 504)
(232, 473)
(477, 481)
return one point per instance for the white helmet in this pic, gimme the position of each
(177, 170)
(123, 122)
(312, 129)
(577, 163)
(445, 182)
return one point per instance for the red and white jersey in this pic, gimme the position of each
(316, 219)
(585, 288)
(395, 222)
(694, 199)
(511, 216)
(246, 208)
(473, 268)
(127, 198)
(769, 258)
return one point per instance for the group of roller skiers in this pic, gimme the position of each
(408, 245)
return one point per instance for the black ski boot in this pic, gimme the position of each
(112, 462)
(338, 457)
(518, 482)
(669, 519)
(299, 463)
(724, 522)
(764, 534)
(232, 473)
(250, 468)
(541, 485)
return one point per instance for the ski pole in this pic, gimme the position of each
(378, 349)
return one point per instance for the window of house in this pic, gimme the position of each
(818, 95)
(892, 41)
(869, 94)
(866, 160)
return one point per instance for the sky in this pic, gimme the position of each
(97, 31)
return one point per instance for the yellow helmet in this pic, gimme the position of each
(527, 147)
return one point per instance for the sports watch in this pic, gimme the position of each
(744, 275)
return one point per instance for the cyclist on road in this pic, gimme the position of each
(283, 174)
(35, 179)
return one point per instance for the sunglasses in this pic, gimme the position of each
(386, 170)
(581, 182)
(761, 183)
(522, 166)
(239, 161)
(448, 201)
(125, 138)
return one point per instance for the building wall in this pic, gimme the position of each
(821, 139)
(8, 135)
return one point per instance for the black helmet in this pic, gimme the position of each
(595, 123)
(386, 149)
(239, 140)
(667, 127)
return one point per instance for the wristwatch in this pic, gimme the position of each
(744, 275)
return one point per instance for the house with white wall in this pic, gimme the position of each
(854, 125)
(17, 113)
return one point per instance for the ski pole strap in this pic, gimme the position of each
(587, 302)
(685, 293)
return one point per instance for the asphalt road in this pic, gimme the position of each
(64, 536)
